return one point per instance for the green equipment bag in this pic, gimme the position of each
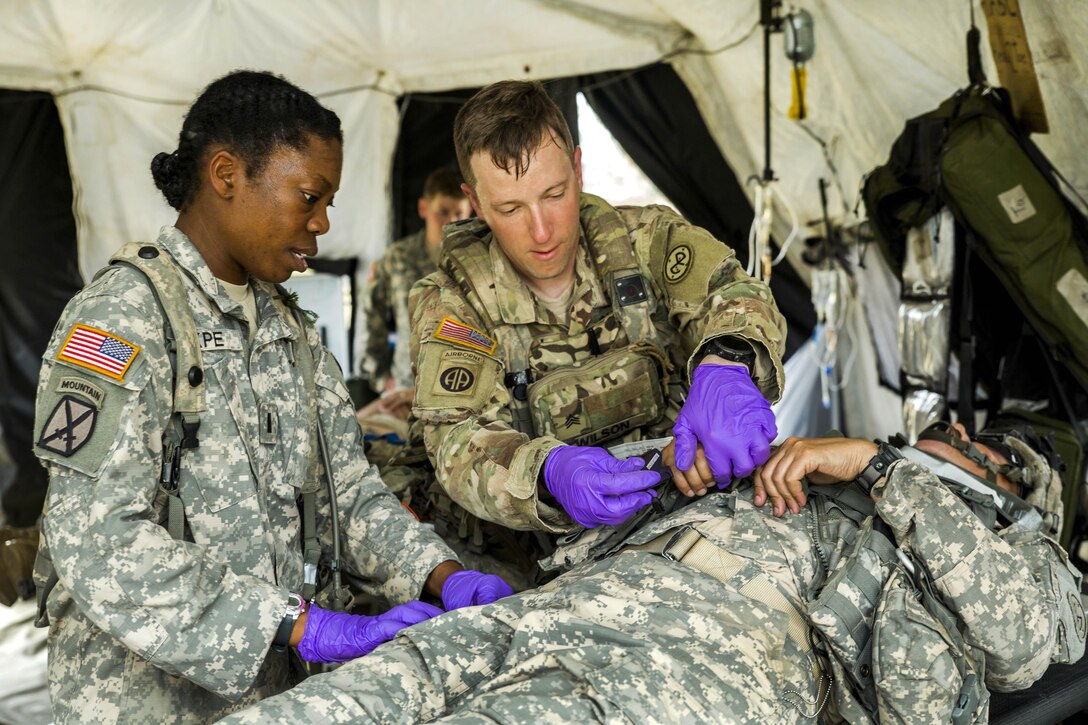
(971, 156)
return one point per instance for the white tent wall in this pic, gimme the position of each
(112, 139)
(124, 71)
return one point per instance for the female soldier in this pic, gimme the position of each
(186, 615)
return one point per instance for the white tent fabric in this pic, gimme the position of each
(124, 71)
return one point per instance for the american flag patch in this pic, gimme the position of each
(98, 350)
(459, 334)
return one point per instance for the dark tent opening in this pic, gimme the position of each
(39, 275)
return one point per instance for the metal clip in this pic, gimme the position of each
(674, 540)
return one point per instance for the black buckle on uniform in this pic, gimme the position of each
(666, 550)
(630, 290)
(188, 434)
(518, 383)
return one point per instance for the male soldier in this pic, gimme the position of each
(557, 323)
(407, 260)
(886, 598)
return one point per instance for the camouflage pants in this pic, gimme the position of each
(633, 638)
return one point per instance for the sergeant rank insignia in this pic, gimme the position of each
(98, 350)
(461, 334)
(69, 427)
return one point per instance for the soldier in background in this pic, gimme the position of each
(557, 324)
(386, 363)
(884, 598)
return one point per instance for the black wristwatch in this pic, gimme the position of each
(729, 349)
(296, 605)
(886, 455)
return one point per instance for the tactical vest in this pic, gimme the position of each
(877, 598)
(619, 391)
(182, 432)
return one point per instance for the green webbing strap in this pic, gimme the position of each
(175, 516)
(516, 341)
(634, 317)
(311, 544)
(849, 497)
(869, 587)
(513, 340)
(169, 289)
(620, 263)
(167, 284)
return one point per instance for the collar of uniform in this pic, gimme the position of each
(515, 300)
(518, 305)
(189, 258)
(588, 292)
(415, 242)
(273, 325)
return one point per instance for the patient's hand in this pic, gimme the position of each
(397, 403)
(820, 460)
(696, 480)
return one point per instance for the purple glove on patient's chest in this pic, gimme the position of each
(594, 487)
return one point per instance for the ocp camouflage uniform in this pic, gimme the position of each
(404, 262)
(147, 628)
(636, 637)
(649, 290)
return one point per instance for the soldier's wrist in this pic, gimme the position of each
(715, 360)
(876, 470)
(727, 349)
(285, 634)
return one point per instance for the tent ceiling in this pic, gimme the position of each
(124, 71)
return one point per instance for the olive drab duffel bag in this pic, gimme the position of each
(972, 156)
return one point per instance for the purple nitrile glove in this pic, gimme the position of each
(338, 637)
(595, 487)
(727, 414)
(467, 588)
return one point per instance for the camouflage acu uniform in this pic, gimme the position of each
(403, 263)
(636, 637)
(147, 628)
(650, 289)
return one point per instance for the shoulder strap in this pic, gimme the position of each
(189, 393)
(311, 544)
(473, 274)
(609, 242)
(165, 277)
(189, 399)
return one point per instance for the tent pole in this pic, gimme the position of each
(768, 17)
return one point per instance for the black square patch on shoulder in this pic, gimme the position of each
(69, 426)
(630, 290)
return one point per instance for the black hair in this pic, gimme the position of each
(251, 113)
